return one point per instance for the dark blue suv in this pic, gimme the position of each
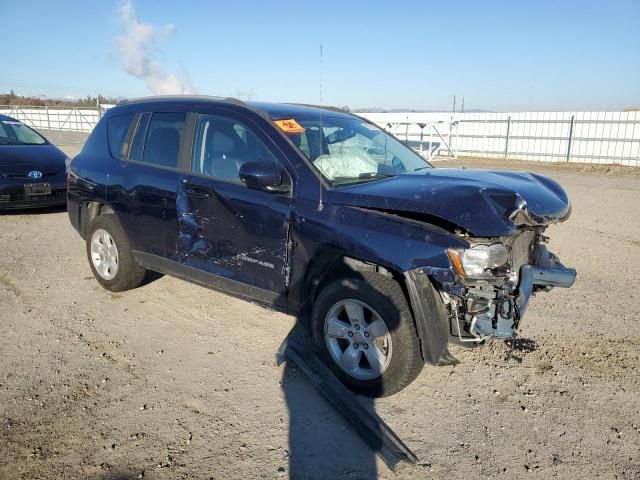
(320, 214)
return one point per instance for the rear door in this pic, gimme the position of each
(145, 190)
(230, 230)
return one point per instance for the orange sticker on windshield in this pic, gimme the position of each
(289, 126)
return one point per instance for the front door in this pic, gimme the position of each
(226, 228)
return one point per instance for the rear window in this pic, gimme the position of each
(117, 133)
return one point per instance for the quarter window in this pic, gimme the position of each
(118, 128)
(223, 144)
(162, 144)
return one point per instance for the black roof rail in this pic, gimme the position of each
(177, 98)
(324, 107)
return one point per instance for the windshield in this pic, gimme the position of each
(13, 132)
(347, 150)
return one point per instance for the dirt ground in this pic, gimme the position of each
(174, 381)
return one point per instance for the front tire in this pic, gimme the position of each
(110, 255)
(363, 330)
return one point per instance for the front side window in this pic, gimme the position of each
(223, 144)
(347, 150)
(163, 135)
(13, 132)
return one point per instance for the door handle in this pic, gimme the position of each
(199, 193)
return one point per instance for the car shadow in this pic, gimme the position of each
(322, 442)
(34, 211)
(149, 277)
(322, 445)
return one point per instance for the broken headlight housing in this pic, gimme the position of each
(480, 260)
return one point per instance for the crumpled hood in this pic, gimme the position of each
(484, 203)
(24, 158)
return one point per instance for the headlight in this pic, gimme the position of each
(479, 260)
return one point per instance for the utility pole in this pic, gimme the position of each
(462, 106)
(454, 104)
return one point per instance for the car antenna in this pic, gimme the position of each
(320, 205)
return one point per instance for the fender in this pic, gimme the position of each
(327, 250)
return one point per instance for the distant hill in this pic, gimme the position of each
(12, 99)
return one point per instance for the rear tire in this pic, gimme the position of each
(371, 358)
(110, 255)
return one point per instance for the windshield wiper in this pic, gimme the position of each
(422, 168)
(362, 178)
(366, 175)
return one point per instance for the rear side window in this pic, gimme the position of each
(163, 135)
(118, 128)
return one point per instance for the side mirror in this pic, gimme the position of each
(264, 175)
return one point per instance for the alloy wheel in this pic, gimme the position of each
(357, 339)
(104, 254)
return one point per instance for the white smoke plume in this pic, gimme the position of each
(138, 45)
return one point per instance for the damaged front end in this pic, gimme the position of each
(488, 293)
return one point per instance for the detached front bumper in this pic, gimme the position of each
(547, 272)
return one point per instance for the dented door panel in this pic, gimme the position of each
(230, 230)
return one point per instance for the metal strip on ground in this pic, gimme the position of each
(368, 424)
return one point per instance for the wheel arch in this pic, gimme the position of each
(428, 312)
(91, 209)
(330, 264)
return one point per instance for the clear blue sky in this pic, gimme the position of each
(507, 55)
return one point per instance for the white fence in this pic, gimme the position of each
(55, 118)
(587, 137)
